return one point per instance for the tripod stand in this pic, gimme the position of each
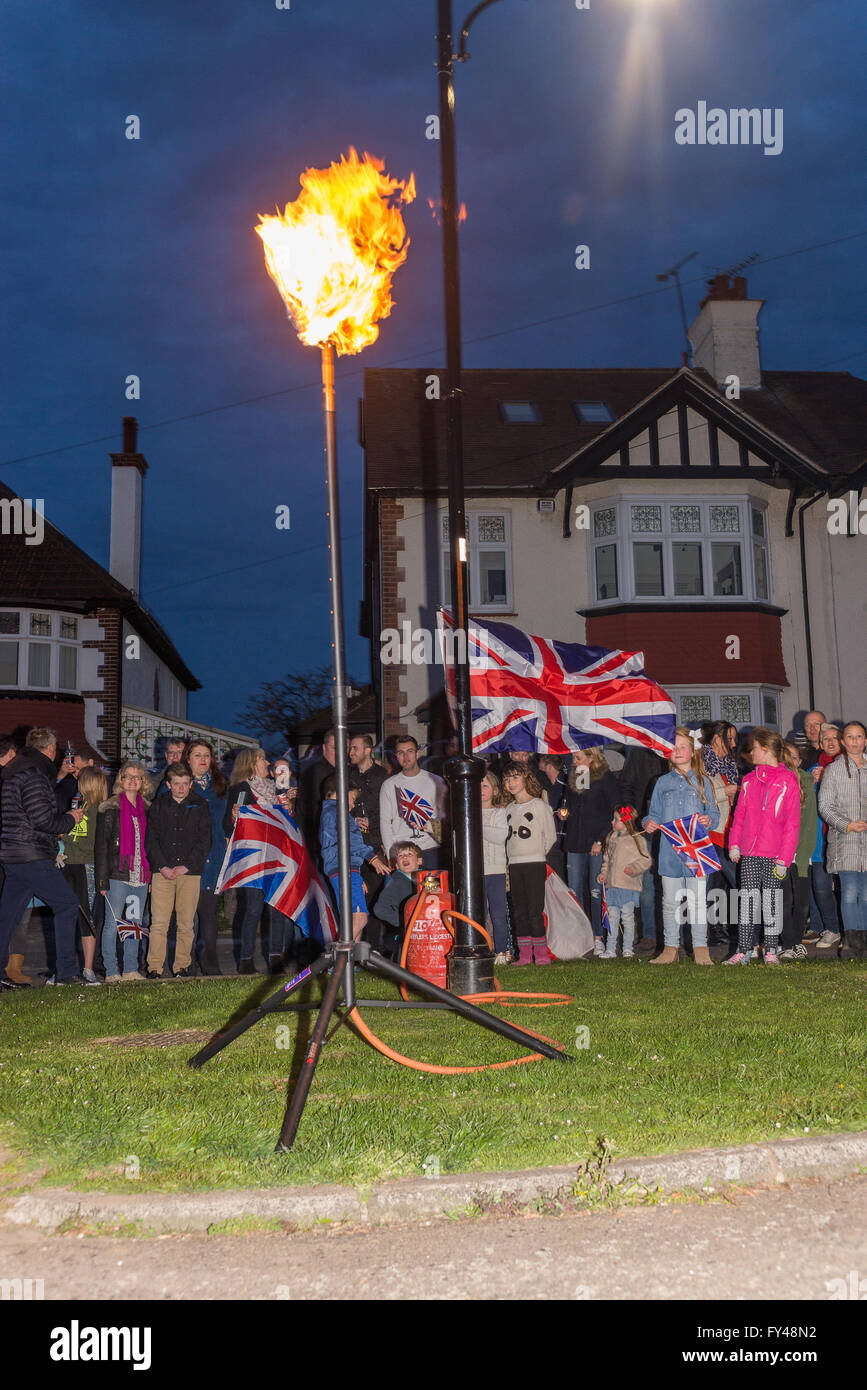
(341, 958)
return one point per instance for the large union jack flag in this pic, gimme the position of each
(267, 851)
(553, 697)
(693, 844)
(412, 808)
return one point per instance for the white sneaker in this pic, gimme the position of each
(132, 977)
(90, 978)
(829, 938)
(113, 979)
(502, 958)
(628, 955)
(608, 955)
(598, 948)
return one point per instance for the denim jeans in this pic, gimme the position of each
(495, 893)
(647, 904)
(625, 917)
(116, 897)
(823, 905)
(684, 900)
(853, 899)
(40, 878)
(578, 866)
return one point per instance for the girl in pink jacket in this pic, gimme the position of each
(764, 837)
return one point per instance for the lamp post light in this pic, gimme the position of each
(471, 967)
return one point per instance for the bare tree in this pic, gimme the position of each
(281, 706)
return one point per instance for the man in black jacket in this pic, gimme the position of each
(28, 851)
(177, 843)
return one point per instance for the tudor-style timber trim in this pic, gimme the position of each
(686, 390)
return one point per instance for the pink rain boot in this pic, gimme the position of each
(540, 950)
(525, 950)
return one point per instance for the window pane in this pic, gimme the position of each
(646, 518)
(40, 664)
(735, 708)
(492, 528)
(695, 709)
(8, 663)
(648, 569)
(760, 560)
(726, 569)
(769, 710)
(69, 628)
(758, 523)
(593, 412)
(10, 622)
(725, 519)
(519, 412)
(445, 526)
(68, 671)
(605, 522)
(447, 580)
(606, 571)
(492, 576)
(40, 624)
(688, 577)
(686, 519)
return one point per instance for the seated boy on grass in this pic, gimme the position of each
(399, 886)
(358, 850)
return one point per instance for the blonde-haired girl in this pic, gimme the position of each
(683, 792)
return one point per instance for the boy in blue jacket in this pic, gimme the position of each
(358, 850)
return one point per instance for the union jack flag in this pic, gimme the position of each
(412, 808)
(693, 844)
(606, 920)
(129, 927)
(553, 697)
(267, 851)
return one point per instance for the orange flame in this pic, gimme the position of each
(334, 250)
(435, 205)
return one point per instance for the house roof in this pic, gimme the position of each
(819, 415)
(58, 574)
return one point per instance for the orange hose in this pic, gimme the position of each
(497, 996)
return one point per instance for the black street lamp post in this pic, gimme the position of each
(471, 968)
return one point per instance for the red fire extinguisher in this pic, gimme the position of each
(426, 941)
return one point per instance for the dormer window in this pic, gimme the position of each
(519, 412)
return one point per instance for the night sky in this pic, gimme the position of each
(140, 256)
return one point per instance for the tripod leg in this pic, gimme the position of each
(271, 1005)
(302, 1087)
(379, 965)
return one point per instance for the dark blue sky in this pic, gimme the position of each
(140, 256)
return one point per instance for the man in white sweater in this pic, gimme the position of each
(409, 800)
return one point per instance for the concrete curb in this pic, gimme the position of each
(412, 1199)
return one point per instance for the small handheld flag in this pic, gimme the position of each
(693, 844)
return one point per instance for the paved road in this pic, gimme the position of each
(781, 1243)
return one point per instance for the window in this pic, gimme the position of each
(743, 707)
(44, 655)
(606, 571)
(39, 665)
(593, 412)
(519, 412)
(489, 560)
(685, 549)
(8, 663)
(67, 675)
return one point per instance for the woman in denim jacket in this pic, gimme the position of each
(685, 791)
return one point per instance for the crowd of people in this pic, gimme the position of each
(130, 877)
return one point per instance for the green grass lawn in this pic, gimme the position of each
(677, 1058)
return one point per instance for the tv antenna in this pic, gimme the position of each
(674, 274)
(735, 269)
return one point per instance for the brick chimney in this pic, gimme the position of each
(725, 335)
(127, 474)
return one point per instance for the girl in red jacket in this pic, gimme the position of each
(764, 837)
